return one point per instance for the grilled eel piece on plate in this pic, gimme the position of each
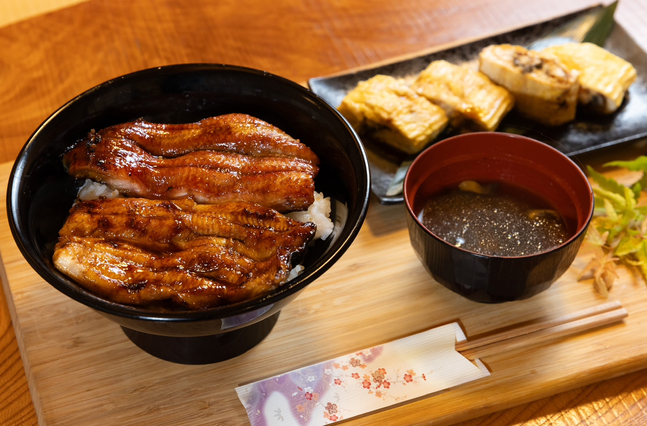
(465, 95)
(142, 252)
(545, 90)
(239, 133)
(207, 176)
(387, 109)
(604, 77)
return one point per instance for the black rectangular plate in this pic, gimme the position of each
(583, 135)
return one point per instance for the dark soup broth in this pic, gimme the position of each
(494, 218)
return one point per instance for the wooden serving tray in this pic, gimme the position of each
(82, 369)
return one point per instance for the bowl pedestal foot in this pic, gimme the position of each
(203, 349)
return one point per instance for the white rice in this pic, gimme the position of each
(319, 214)
(295, 272)
(94, 190)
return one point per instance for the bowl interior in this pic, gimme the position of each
(41, 193)
(520, 161)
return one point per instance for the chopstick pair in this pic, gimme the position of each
(542, 330)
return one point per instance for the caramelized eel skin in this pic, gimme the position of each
(282, 183)
(239, 133)
(141, 252)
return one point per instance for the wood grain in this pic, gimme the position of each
(12, 11)
(85, 371)
(542, 330)
(15, 401)
(49, 59)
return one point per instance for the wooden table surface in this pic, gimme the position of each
(48, 58)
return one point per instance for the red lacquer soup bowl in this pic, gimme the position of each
(509, 159)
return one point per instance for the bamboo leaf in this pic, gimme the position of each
(593, 26)
(602, 27)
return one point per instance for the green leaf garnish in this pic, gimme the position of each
(639, 164)
(619, 228)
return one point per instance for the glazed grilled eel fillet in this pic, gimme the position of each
(604, 77)
(284, 183)
(238, 133)
(544, 89)
(141, 252)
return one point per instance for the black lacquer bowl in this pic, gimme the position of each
(41, 193)
(509, 159)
